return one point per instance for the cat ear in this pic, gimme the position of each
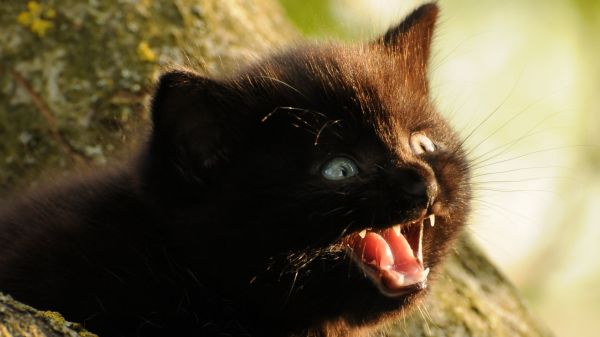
(191, 120)
(410, 41)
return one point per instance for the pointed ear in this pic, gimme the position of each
(191, 121)
(410, 41)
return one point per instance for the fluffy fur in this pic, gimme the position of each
(223, 224)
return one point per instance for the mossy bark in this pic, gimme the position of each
(470, 297)
(19, 320)
(75, 76)
(74, 83)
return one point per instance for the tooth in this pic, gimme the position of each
(397, 230)
(420, 249)
(362, 234)
(424, 274)
(432, 220)
(399, 278)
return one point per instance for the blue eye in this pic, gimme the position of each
(339, 168)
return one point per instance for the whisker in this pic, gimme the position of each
(500, 190)
(507, 212)
(477, 166)
(292, 287)
(518, 170)
(509, 145)
(283, 83)
(503, 125)
(485, 182)
(329, 123)
(427, 327)
(489, 116)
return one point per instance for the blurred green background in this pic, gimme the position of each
(521, 79)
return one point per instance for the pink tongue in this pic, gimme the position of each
(404, 259)
(387, 251)
(375, 251)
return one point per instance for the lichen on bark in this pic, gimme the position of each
(470, 297)
(75, 90)
(19, 320)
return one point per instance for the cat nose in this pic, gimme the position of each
(420, 185)
(413, 185)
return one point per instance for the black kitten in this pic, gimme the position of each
(308, 195)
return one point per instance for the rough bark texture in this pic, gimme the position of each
(19, 320)
(74, 79)
(470, 297)
(75, 75)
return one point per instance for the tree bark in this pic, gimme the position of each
(74, 84)
(19, 320)
(471, 297)
(75, 77)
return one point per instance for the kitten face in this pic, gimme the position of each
(306, 186)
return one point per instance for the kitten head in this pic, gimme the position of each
(305, 188)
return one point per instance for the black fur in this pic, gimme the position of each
(223, 225)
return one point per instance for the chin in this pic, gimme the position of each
(367, 278)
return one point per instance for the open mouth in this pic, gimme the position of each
(393, 257)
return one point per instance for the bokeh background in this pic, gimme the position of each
(521, 80)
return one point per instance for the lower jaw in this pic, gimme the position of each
(378, 279)
(402, 292)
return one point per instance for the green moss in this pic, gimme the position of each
(93, 72)
(471, 298)
(87, 334)
(53, 316)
